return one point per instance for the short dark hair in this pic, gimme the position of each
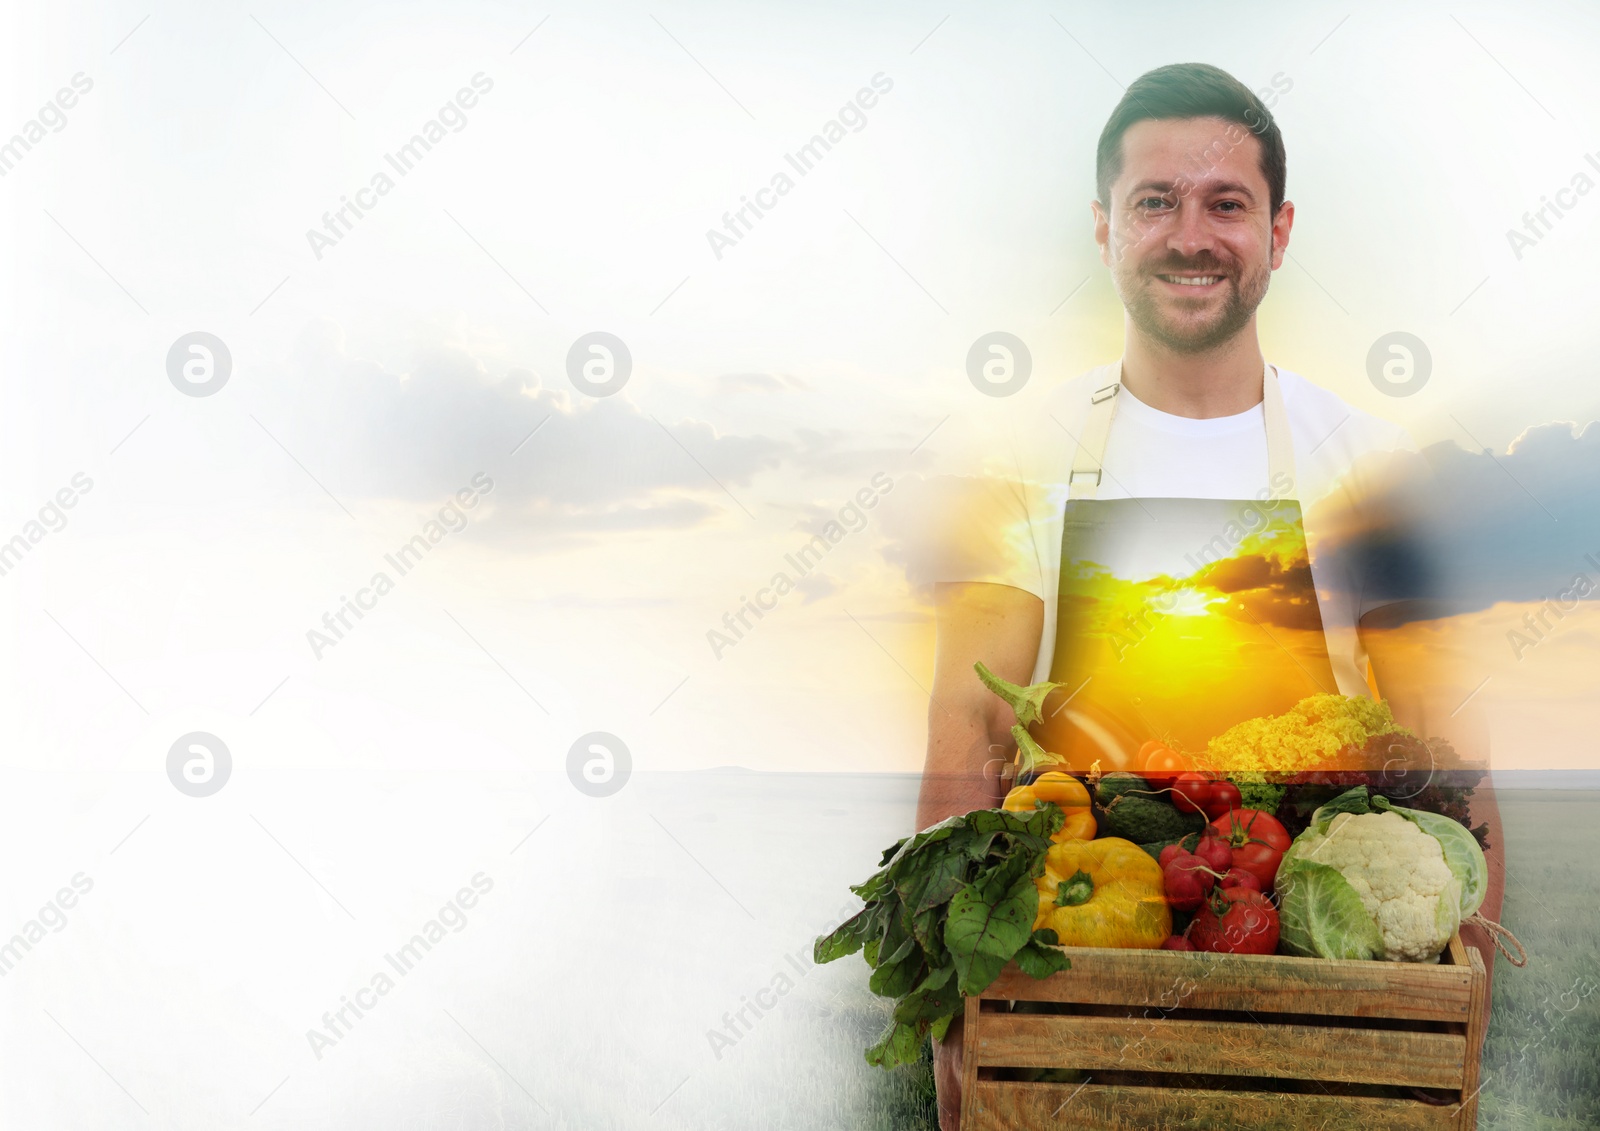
(1190, 90)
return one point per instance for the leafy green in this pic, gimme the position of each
(1039, 957)
(1321, 916)
(1353, 800)
(989, 924)
(1262, 795)
(947, 909)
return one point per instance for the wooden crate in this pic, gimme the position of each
(1172, 1039)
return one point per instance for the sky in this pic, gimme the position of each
(572, 191)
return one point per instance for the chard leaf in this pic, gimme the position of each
(930, 835)
(896, 933)
(889, 853)
(875, 887)
(928, 927)
(984, 934)
(900, 1044)
(936, 883)
(941, 1027)
(994, 881)
(1038, 959)
(935, 996)
(1031, 831)
(849, 936)
(897, 974)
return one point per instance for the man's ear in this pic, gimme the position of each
(1279, 233)
(1102, 231)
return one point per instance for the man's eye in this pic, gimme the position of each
(1232, 205)
(1157, 200)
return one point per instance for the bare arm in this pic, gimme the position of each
(969, 737)
(969, 728)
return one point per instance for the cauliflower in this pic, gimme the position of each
(1369, 879)
(1401, 876)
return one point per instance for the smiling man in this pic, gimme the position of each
(1153, 556)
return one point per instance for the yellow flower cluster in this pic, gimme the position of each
(1302, 738)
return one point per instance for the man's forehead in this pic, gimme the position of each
(1208, 153)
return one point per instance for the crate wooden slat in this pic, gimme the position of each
(1224, 1048)
(1213, 1027)
(1226, 981)
(1093, 1107)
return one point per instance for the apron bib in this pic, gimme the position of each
(1178, 618)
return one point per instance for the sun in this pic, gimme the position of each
(1185, 601)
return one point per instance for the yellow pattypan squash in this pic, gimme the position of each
(1105, 892)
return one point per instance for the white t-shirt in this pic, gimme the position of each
(1153, 454)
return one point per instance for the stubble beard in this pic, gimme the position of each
(1183, 335)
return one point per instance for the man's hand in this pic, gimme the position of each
(969, 737)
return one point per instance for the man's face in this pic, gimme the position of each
(1189, 235)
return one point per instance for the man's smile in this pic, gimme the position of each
(1194, 284)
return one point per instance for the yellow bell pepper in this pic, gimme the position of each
(1104, 892)
(1067, 792)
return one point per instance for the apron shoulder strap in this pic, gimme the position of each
(1280, 441)
(1083, 482)
(1088, 462)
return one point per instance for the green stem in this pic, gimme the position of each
(1075, 889)
(1030, 754)
(1026, 702)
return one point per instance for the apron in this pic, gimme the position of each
(1178, 618)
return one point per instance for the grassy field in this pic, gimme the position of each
(1541, 1059)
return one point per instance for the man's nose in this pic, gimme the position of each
(1191, 229)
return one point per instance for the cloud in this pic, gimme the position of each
(571, 466)
(1264, 589)
(1457, 531)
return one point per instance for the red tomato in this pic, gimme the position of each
(1150, 748)
(1160, 764)
(1260, 860)
(1240, 826)
(1190, 791)
(1177, 942)
(1224, 797)
(1237, 921)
